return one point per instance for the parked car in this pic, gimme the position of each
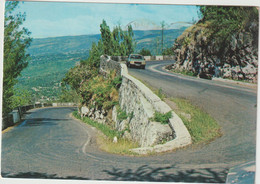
(136, 60)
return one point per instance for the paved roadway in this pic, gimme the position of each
(51, 144)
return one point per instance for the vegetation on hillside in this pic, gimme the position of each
(84, 79)
(42, 78)
(96, 91)
(51, 58)
(145, 52)
(223, 43)
(16, 41)
(168, 51)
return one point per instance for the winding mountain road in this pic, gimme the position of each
(51, 144)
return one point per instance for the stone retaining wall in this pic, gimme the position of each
(140, 103)
(147, 58)
(107, 65)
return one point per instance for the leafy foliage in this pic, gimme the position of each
(168, 51)
(21, 97)
(145, 52)
(121, 114)
(117, 42)
(16, 41)
(225, 21)
(68, 95)
(51, 58)
(84, 78)
(100, 91)
(163, 118)
(223, 35)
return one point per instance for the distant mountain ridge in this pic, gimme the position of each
(51, 58)
(82, 43)
(64, 44)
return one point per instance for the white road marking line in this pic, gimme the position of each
(152, 68)
(85, 145)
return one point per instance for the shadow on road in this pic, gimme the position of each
(168, 174)
(42, 121)
(37, 175)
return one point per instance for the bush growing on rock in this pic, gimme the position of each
(223, 43)
(162, 118)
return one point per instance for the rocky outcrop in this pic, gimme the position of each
(99, 115)
(235, 59)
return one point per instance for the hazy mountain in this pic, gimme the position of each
(81, 44)
(51, 58)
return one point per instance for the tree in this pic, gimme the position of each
(117, 42)
(129, 40)
(223, 22)
(145, 52)
(21, 97)
(168, 51)
(80, 78)
(16, 41)
(106, 38)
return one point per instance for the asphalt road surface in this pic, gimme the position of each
(51, 144)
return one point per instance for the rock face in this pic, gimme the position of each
(236, 59)
(96, 114)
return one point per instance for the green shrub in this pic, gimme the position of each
(101, 91)
(122, 115)
(162, 117)
(145, 52)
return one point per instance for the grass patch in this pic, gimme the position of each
(162, 118)
(107, 131)
(201, 126)
(122, 147)
(105, 141)
(160, 94)
(121, 115)
(185, 72)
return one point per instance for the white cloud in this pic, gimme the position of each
(59, 19)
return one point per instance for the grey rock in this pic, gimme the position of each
(115, 139)
(156, 133)
(84, 110)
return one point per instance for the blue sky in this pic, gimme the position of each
(51, 19)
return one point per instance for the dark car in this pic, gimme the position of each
(136, 60)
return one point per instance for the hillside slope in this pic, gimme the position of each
(224, 43)
(51, 58)
(148, 39)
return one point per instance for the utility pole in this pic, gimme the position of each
(163, 27)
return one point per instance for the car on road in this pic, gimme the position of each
(136, 60)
